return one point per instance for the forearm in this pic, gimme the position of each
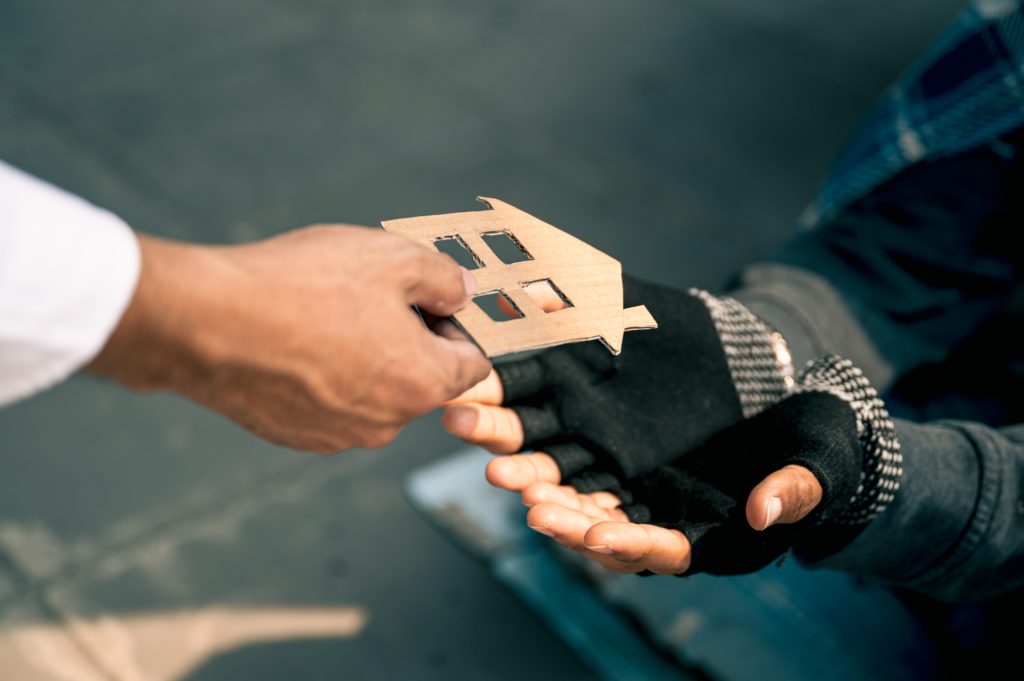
(954, 531)
(812, 316)
(904, 274)
(171, 334)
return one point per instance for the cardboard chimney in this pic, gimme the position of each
(589, 281)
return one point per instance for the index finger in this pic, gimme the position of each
(462, 361)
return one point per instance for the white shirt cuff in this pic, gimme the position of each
(67, 272)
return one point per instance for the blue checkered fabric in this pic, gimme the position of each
(966, 90)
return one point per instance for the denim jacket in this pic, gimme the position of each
(913, 270)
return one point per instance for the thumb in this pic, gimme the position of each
(785, 496)
(462, 363)
(439, 286)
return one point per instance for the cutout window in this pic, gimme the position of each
(547, 296)
(506, 247)
(498, 306)
(455, 247)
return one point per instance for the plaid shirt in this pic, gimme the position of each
(966, 90)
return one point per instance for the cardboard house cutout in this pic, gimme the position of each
(586, 279)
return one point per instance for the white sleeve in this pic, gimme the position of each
(67, 272)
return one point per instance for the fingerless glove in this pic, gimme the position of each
(834, 424)
(606, 419)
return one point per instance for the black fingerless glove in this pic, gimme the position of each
(834, 424)
(606, 419)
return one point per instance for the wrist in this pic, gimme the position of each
(758, 356)
(164, 339)
(881, 461)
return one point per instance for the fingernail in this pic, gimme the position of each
(542, 529)
(773, 509)
(468, 281)
(460, 419)
(601, 548)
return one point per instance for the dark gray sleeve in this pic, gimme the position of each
(906, 273)
(813, 318)
(955, 530)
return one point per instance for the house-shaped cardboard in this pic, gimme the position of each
(589, 281)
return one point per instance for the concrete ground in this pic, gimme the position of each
(142, 538)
